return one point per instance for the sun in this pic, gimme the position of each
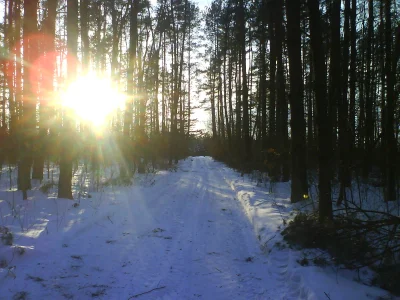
(92, 99)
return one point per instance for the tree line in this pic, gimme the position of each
(306, 85)
(291, 86)
(147, 50)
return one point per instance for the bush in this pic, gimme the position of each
(118, 181)
(354, 242)
(6, 236)
(388, 278)
(306, 232)
(45, 187)
(351, 250)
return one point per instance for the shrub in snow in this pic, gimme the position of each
(45, 187)
(20, 296)
(388, 278)
(20, 250)
(354, 242)
(6, 236)
(3, 230)
(119, 181)
(3, 263)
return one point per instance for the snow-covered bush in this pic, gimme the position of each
(6, 236)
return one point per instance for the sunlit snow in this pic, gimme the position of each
(200, 232)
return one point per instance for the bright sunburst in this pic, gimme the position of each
(92, 99)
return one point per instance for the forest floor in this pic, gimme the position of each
(199, 231)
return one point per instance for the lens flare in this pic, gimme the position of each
(93, 99)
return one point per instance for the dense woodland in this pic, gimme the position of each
(303, 91)
(145, 50)
(299, 85)
(291, 87)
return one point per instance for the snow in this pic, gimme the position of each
(201, 231)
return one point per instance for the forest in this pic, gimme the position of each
(304, 91)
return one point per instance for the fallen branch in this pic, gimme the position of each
(269, 239)
(137, 295)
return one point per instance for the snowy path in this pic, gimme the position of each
(203, 250)
(190, 235)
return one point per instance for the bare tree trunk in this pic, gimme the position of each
(281, 103)
(65, 180)
(28, 122)
(353, 78)
(369, 120)
(299, 186)
(263, 76)
(389, 140)
(49, 27)
(245, 92)
(343, 109)
(238, 105)
(163, 89)
(128, 114)
(84, 18)
(272, 81)
(323, 118)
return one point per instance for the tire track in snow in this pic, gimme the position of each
(180, 280)
(173, 206)
(220, 255)
(128, 233)
(205, 258)
(281, 265)
(208, 257)
(154, 247)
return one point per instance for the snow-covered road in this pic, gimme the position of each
(193, 233)
(195, 240)
(187, 233)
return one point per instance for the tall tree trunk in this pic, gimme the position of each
(64, 184)
(230, 92)
(115, 39)
(48, 45)
(124, 169)
(11, 72)
(163, 89)
(281, 102)
(84, 19)
(323, 118)
(299, 186)
(18, 71)
(272, 73)
(353, 78)
(343, 109)
(263, 80)
(175, 92)
(335, 64)
(213, 106)
(181, 63)
(238, 104)
(5, 65)
(369, 119)
(389, 140)
(157, 86)
(189, 78)
(226, 113)
(245, 92)
(115, 47)
(6, 82)
(28, 121)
